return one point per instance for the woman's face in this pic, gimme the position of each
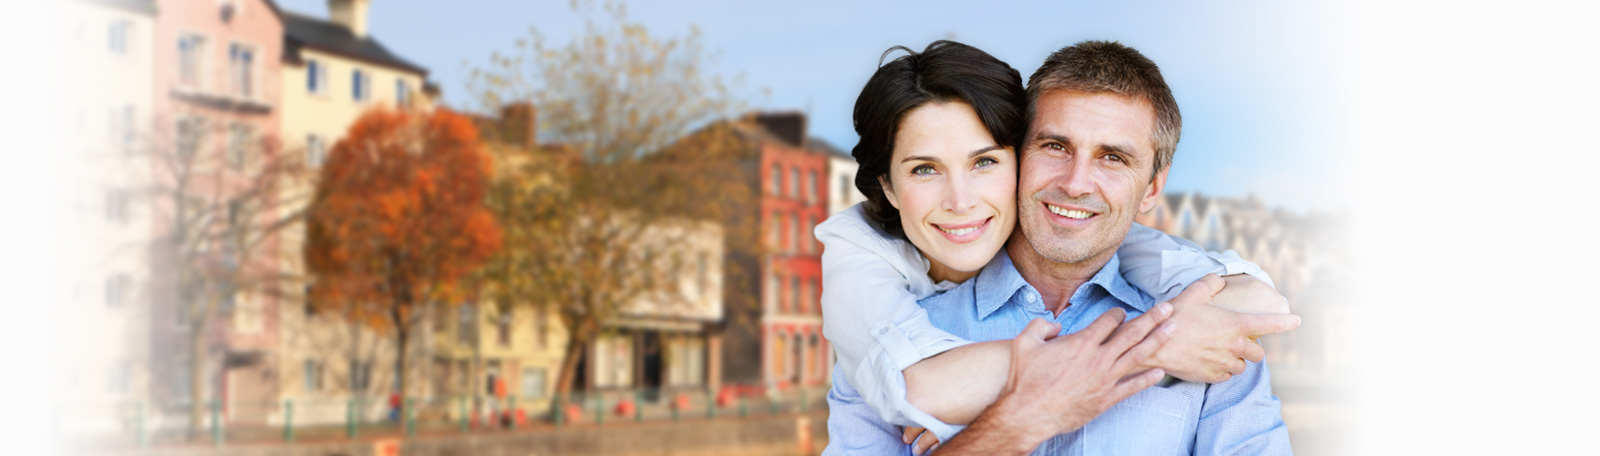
(955, 188)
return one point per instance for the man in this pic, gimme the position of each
(1102, 130)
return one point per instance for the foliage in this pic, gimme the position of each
(398, 219)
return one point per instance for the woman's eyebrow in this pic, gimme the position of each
(936, 160)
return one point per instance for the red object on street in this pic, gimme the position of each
(625, 407)
(522, 416)
(725, 398)
(682, 402)
(574, 413)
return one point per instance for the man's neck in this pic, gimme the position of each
(1055, 281)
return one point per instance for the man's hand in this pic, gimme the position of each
(1215, 342)
(920, 439)
(1246, 294)
(1061, 383)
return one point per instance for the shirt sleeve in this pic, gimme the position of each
(871, 317)
(1163, 265)
(854, 429)
(1241, 416)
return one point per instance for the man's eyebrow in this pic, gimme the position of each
(1052, 137)
(974, 153)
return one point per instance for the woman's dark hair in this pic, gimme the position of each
(945, 71)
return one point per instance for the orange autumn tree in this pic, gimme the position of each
(398, 218)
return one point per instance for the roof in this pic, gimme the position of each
(818, 144)
(305, 31)
(134, 6)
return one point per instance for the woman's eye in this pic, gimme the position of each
(986, 161)
(922, 170)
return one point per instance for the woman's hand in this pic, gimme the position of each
(1215, 342)
(919, 445)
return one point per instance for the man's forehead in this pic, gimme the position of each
(1101, 117)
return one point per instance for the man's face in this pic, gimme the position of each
(1085, 172)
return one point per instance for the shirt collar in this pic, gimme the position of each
(999, 281)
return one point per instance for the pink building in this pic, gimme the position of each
(215, 114)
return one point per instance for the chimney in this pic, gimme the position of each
(520, 122)
(352, 14)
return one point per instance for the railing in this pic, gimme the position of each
(138, 424)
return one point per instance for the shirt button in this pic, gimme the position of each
(1028, 296)
(883, 329)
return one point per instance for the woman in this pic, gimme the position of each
(939, 132)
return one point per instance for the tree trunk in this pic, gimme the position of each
(401, 333)
(197, 364)
(569, 366)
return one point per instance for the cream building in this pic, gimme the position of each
(105, 351)
(333, 70)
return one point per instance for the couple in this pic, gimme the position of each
(1081, 333)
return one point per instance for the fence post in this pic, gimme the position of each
(511, 411)
(599, 409)
(462, 417)
(350, 418)
(802, 400)
(216, 422)
(638, 405)
(410, 413)
(288, 420)
(138, 424)
(711, 403)
(560, 410)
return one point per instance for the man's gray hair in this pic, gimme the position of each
(1109, 66)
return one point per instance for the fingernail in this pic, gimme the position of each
(1169, 328)
(1164, 308)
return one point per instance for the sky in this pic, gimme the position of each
(1262, 86)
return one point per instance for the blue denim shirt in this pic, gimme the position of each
(1238, 416)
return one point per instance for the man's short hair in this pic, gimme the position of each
(1109, 66)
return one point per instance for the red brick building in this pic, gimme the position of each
(793, 201)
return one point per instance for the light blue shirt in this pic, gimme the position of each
(1238, 416)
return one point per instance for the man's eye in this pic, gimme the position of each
(1055, 146)
(986, 161)
(1115, 157)
(923, 170)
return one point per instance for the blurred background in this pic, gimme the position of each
(355, 226)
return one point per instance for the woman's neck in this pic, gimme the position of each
(941, 273)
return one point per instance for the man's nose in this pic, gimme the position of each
(958, 198)
(1078, 180)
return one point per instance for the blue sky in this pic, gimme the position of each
(1262, 86)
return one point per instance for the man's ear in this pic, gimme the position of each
(1157, 185)
(888, 192)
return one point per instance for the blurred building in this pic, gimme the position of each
(216, 109)
(106, 350)
(841, 180)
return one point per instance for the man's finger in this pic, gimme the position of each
(1264, 324)
(1040, 329)
(1201, 291)
(924, 443)
(1137, 355)
(1250, 350)
(1133, 384)
(1102, 327)
(1137, 329)
(909, 434)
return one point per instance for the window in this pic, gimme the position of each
(771, 301)
(191, 60)
(360, 375)
(844, 189)
(534, 381)
(777, 180)
(777, 230)
(805, 297)
(316, 151)
(117, 290)
(117, 37)
(402, 92)
(239, 138)
(190, 132)
(311, 375)
(126, 132)
(241, 66)
(794, 294)
(810, 234)
(779, 366)
(811, 186)
(464, 324)
(117, 206)
(811, 352)
(794, 234)
(502, 329)
(358, 85)
(794, 183)
(316, 76)
(799, 354)
(311, 306)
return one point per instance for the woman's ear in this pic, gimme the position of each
(888, 192)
